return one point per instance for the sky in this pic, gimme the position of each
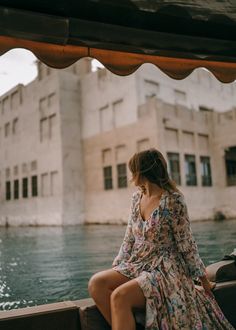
(18, 66)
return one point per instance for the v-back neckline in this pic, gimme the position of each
(156, 208)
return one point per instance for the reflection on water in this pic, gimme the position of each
(44, 265)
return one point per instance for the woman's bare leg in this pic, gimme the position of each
(100, 287)
(123, 299)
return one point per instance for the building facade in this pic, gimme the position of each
(65, 140)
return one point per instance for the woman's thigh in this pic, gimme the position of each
(109, 278)
(131, 293)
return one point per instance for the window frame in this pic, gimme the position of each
(25, 192)
(206, 180)
(107, 178)
(16, 190)
(190, 179)
(175, 176)
(121, 177)
(34, 186)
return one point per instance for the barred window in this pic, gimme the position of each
(230, 166)
(25, 187)
(107, 177)
(34, 185)
(190, 170)
(121, 175)
(8, 190)
(174, 167)
(206, 171)
(16, 189)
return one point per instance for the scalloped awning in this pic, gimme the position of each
(176, 36)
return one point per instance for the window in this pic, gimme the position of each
(34, 185)
(52, 125)
(51, 99)
(180, 97)
(45, 184)
(34, 165)
(205, 171)
(7, 129)
(121, 176)
(203, 143)
(102, 73)
(54, 188)
(15, 126)
(8, 172)
(25, 187)
(24, 168)
(107, 175)
(44, 129)
(174, 166)
(16, 189)
(8, 190)
(43, 103)
(15, 100)
(188, 141)
(119, 113)
(231, 172)
(203, 108)
(106, 156)
(120, 153)
(5, 104)
(151, 88)
(106, 118)
(171, 138)
(16, 170)
(190, 170)
(230, 164)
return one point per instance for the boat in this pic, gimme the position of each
(84, 315)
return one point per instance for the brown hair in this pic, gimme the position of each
(151, 165)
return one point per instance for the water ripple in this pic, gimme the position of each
(45, 265)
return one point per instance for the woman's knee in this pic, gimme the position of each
(119, 297)
(128, 295)
(98, 281)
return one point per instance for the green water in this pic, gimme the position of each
(45, 265)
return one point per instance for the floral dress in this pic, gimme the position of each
(162, 256)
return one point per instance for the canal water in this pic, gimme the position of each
(45, 265)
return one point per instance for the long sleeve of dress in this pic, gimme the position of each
(185, 241)
(128, 241)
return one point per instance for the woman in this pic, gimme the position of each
(157, 261)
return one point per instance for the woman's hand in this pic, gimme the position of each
(207, 285)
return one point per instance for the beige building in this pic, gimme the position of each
(66, 137)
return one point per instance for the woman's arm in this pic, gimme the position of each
(185, 241)
(128, 241)
(207, 285)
